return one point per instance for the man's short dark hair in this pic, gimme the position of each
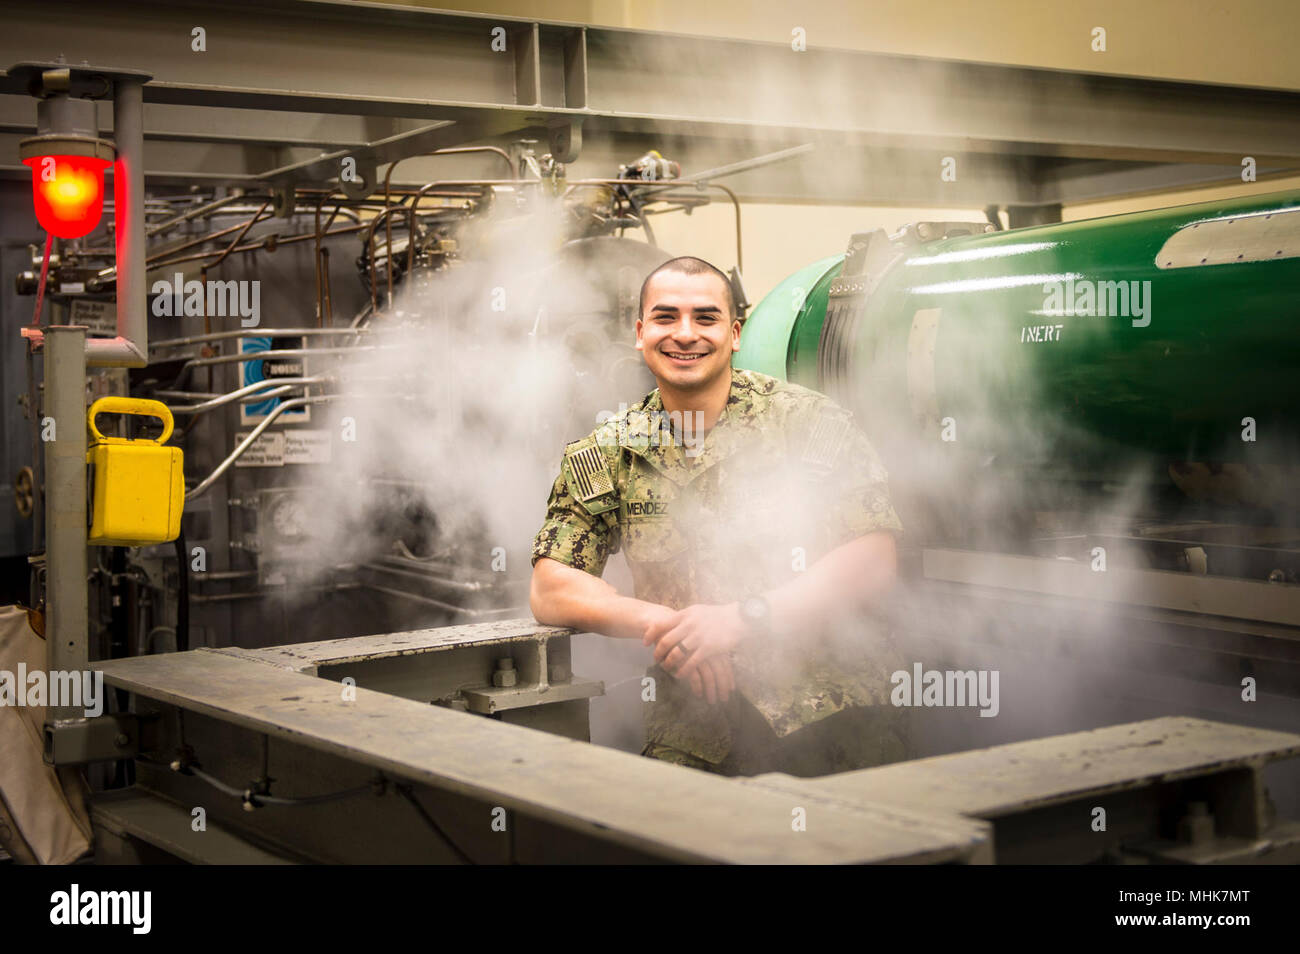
(690, 265)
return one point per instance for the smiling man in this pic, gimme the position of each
(756, 521)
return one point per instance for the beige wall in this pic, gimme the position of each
(1088, 210)
(1245, 43)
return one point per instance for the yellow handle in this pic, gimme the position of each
(126, 405)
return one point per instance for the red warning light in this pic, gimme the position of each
(68, 192)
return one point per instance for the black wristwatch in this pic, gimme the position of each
(757, 614)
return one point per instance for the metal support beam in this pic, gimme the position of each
(1216, 596)
(1104, 179)
(584, 793)
(831, 174)
(1041, 793)
(381, 61)
(372, 155)
(569, 801)
(575, 69)
(130, 348)
(526, 47)
(68, 618)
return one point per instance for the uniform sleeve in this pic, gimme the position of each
(861, 490)
(573, 536)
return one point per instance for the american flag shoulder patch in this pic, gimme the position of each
(589, 471)
(825, 439)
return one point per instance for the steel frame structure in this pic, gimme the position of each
(283, 714)
(290, 87)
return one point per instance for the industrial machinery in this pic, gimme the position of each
(518, 275)
(1047, 362)
(318, 633)
(1089, 435)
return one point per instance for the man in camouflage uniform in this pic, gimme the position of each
(755, 518)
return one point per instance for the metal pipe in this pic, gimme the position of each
(352, 203)
(388, 173)
(435, 570)
(464, 192)
(388, 222)
(458, 586)
(638, 183)
(267, 332)
(247, 442)
(222, 575)
(369, 242)
(110, 273)
(449, 607)
(297, 210)
(278, 592)
(196, 212)
(229, 597)
(130, 349)
(451, 150)
(676, 208)
(203, 304)
(735, 201)
(185, 395)
(238, 238)
(740, 267)
(261, 244)
(425, 191)
(276, 391)
(744, 165)
(67, 634)
(324, 259)
(280, 353)
(320, 288)
(280, 386)
(340, 209)
(153, 259)
(501, 182)
(365, 312)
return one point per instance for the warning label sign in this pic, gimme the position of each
(277, 448)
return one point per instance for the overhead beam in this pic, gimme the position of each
(1090, 181)
(215, 124)
(359, 58)
(288, 88)
(827, 176)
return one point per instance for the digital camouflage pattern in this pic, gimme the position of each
(782, 478)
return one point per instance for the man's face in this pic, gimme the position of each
(685, 332)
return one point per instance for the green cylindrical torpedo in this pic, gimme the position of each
(1069, 352)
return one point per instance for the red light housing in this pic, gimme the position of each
(68, 193)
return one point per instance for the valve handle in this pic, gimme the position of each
(126, 405)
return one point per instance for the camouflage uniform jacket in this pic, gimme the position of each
(782, 478)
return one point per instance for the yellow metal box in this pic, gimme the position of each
(137, 486)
